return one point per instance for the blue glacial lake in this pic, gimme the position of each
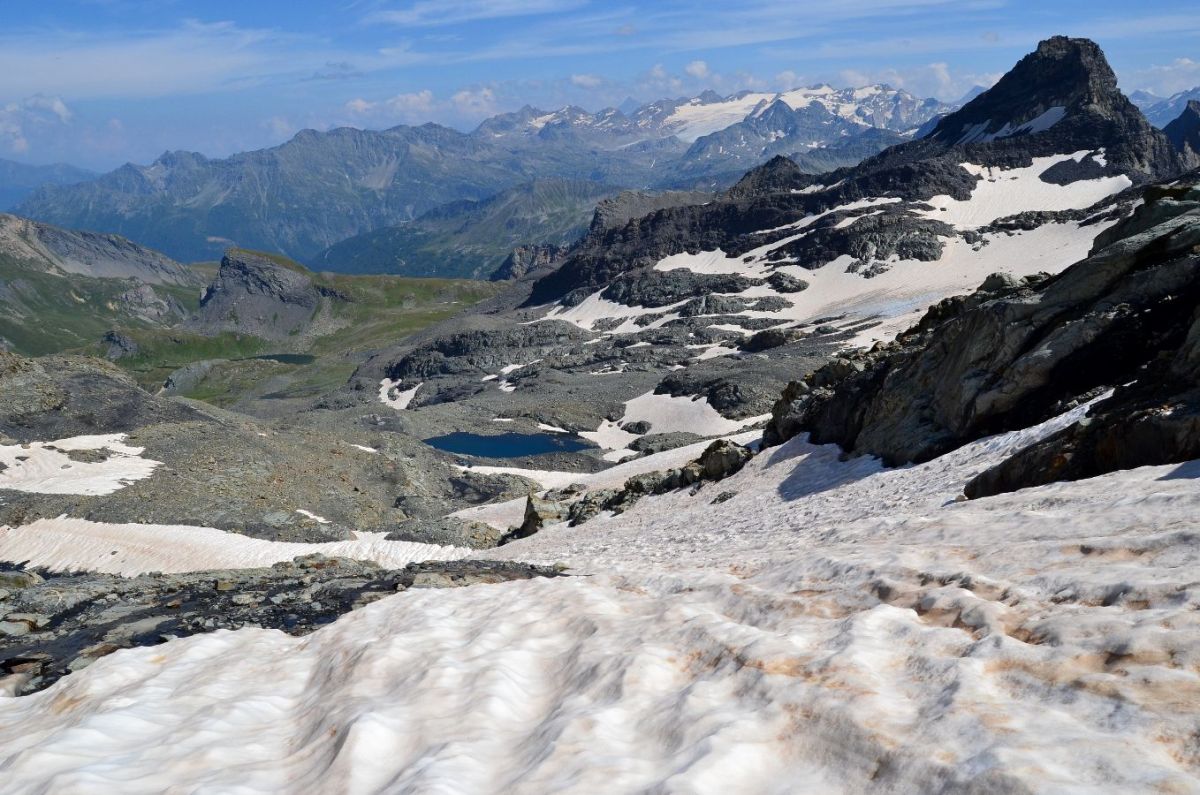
(507, 445)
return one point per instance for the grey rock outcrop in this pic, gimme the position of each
(1184, 133)
(60, 623)
(257, 295)
(1014, 354)
(523, 260)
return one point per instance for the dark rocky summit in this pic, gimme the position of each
(1016, 353)
(1184, 132)
(52, 624)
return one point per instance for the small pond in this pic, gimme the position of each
(507, 445)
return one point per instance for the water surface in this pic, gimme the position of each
(507, 445)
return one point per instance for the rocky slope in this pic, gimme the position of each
(1184, 132)
(67, 251)
(1015, 353)
(78, 437)
(62, 289)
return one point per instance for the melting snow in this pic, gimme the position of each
(1002, 192)
(977, 133)
(46, 467)
(834, 627)
(665, 414)
(391, 395)
(66, 544)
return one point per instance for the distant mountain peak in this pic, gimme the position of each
(1063, 76)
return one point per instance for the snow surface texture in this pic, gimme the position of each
(65, 544)
(900, 294)
(833, 627)
(1002, 192)
(391, 395)
(48, 468)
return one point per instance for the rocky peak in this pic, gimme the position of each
(258, 295)
(777, 174)
(1184, 133)
(1061, 78)
(524, 259)
(1063, 97)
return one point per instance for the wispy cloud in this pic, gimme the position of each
(434, 13)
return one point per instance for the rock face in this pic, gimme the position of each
(53, 624)
(1184, 132)
(256, 295)
(1013, 354)
(522, 260)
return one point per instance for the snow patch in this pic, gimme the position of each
(391, 395)
(66, 544)
(46, 467)
(1003, 192)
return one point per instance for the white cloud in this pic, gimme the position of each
(280, 127)
(789, 79)
(926, 80)
(1178, 75)
(468, 105)
(586, 81)
(697, 69)
(38, 112)
(412, 107)
(477, 102)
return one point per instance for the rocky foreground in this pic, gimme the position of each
(53, 624)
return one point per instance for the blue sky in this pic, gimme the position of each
(102, 82)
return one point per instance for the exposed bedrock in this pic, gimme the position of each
(1013, 354)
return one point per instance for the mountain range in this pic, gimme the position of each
(19, 180)
(320, 188)
(1162, 111)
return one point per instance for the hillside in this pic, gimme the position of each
(469, 239)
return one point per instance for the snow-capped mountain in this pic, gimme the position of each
(1020, 178)
(867, 106)
(1162, 112)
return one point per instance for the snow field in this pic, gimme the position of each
(834, 627)
(46, 467)
(66, 544)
